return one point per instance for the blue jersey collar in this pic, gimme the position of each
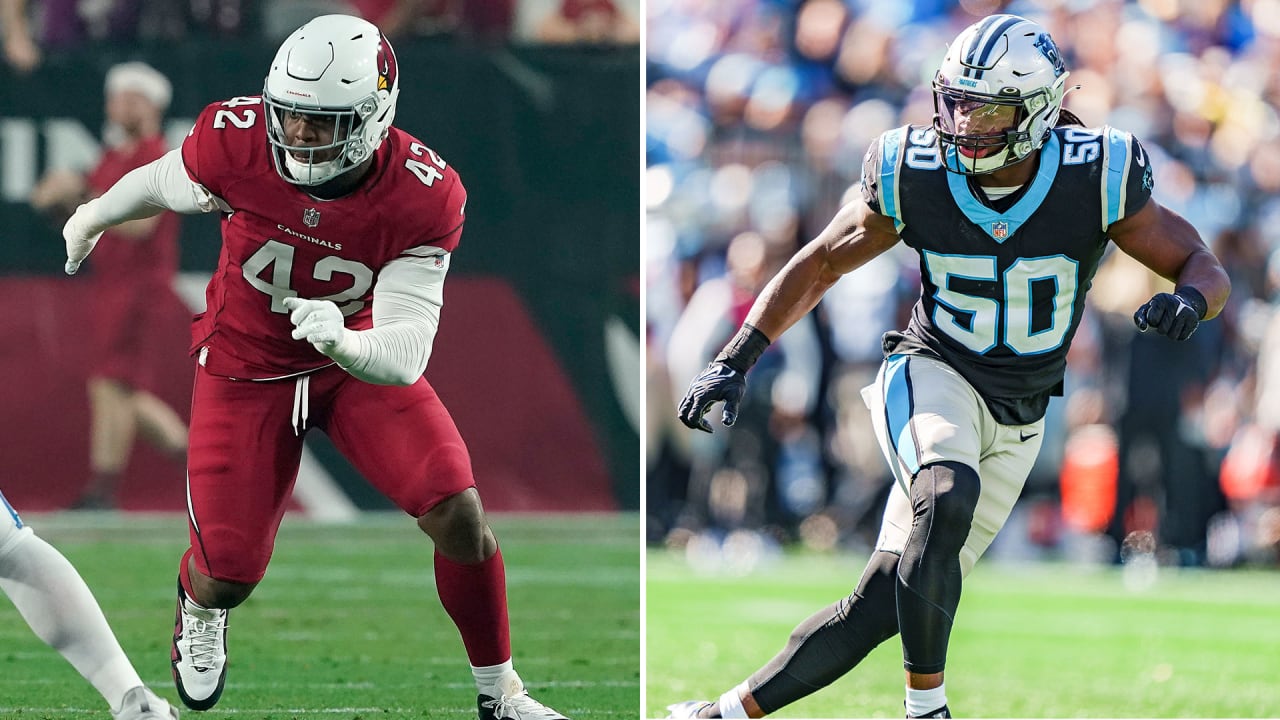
(1001, 226)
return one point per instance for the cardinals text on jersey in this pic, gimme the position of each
(280, 242)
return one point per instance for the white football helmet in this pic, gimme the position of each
(337, 66)
(997, 95)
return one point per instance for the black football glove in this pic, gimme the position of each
(1176, 314)
(718, 382)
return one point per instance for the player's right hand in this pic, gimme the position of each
(718, 382)
(81, 233)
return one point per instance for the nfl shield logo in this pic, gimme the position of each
(999, 230)
(311, 217)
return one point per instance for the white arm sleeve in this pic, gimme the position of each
(406, 312)
(160, 185)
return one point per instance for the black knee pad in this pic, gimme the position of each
(945, 495)
(943, 499)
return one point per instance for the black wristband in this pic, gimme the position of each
(1193, 298)
(744, 349)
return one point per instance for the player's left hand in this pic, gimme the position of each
(319, 322)
(1170, 314)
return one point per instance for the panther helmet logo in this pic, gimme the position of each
(1046, 46)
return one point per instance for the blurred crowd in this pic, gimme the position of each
(33, 28)
(758, 115)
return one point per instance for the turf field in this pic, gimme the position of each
(347, 624)
(1030, 640)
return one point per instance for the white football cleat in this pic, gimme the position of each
(513, 703)
(686, 710)
(142, 704)
(199, 653)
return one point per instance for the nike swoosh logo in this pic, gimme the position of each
(1142, 158)
(1025, 437)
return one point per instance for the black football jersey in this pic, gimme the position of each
(1003, 282)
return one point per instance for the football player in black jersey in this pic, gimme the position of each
(1010, 202)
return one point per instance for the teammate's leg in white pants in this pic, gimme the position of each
(54, 600)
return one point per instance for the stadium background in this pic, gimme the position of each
(759, 113)
(536, 104)
(1102, 596)
(537, 352)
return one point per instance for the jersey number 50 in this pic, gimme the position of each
(985, 313)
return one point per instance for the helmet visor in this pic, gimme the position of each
(978, 126)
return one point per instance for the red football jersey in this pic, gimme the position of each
(280, 242)
(148, 260)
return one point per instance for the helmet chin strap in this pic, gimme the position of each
(983, 164)
(301, 170)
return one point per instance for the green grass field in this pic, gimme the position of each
(347, 624)
(1030, 641)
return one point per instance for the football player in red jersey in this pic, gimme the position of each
(128, 331)
(337, 233)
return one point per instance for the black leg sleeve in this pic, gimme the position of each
(943, 498)
(833, 640)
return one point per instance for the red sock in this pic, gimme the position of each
(475, 596)
(184, 575)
